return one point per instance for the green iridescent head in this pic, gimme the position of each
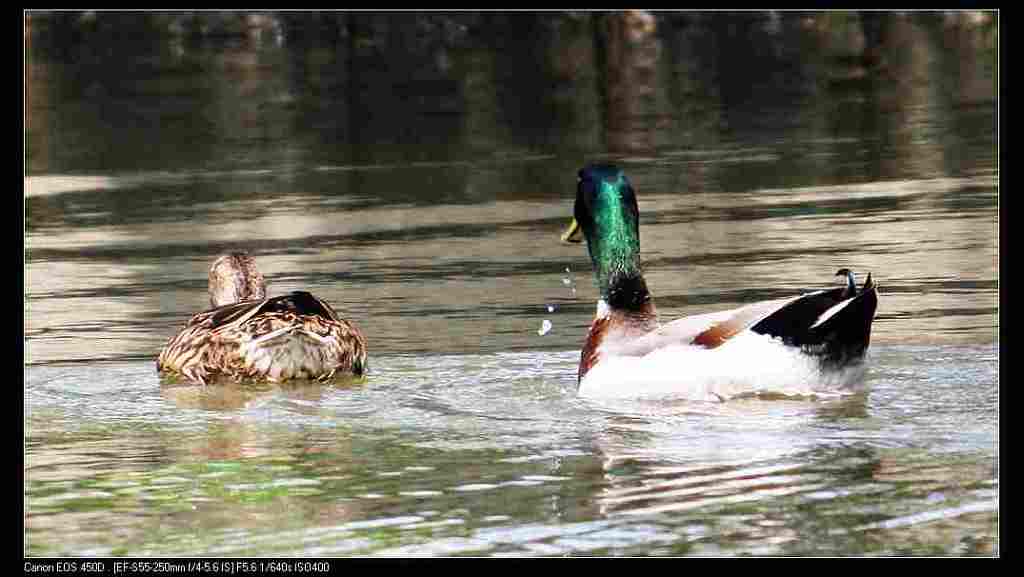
(606, 212)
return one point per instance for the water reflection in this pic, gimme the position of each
(352, 147)
(753, 501)
(466, 86)
(492, 454)
(931, 244)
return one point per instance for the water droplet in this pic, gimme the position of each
(551, 308)
(569, 281)
(544, 327)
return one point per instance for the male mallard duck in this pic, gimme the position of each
(248, 336)
(799, 345)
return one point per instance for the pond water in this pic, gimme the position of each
(424, 202)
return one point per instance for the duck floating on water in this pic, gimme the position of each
(247, 336)
(807, 344)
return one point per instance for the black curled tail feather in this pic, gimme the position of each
(836, 336)
(844, 337)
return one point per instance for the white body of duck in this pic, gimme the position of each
(811, 344)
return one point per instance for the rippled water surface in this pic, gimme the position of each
(432, 223)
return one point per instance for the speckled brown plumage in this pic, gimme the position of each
(234, 278)
(288, 337)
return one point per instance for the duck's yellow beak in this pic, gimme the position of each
(573, 234)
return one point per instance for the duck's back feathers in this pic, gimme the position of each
(297, 302)
(827, 327)
(740, 320)
(707, 330)
(808, 319)
(293, 336)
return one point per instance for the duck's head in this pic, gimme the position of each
(606, 214)
(235, 278)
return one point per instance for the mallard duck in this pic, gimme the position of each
(814, 342)
(247, 336)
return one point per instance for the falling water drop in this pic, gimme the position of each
(544, 327)
(568, 281)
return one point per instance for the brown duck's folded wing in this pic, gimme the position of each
(230, 314)
(299, 302)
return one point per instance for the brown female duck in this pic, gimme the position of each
(247, 336)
